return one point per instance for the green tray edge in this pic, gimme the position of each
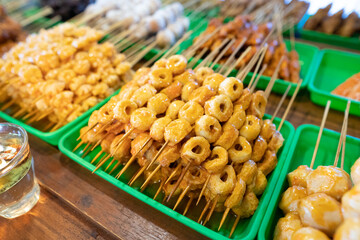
(320, 97)
(169, 212)
(282, 177)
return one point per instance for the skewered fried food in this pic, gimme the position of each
(309, 233)
(286, 226)
(355, 172)
(314, 21)
(350, 88)
(349, 230)
(350, 203)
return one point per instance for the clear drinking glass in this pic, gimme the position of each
(19, 190)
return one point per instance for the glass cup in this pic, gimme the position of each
(19, 190)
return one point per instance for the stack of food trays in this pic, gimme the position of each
(333, 68)
(307, 59)
(300, 153)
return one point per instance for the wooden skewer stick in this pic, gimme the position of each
(78, 145)
(147, 181)
(182, 39)
(90, 128)
(8, 104)
(258, 66)
(195, 60)
(342, 134)
(343, 147)
(273, 78)
(182, 195)
(133, 50)
(173, 173)
(184, 171)
(118, 144)
(212, 54)
(127, 42)
(204, 210)
(239, 60)
(158, 154)
(227, 210)
(216, 199)
(162, 182)
(86, 150)
(22, 111)
(203, 189)
(222, 53)
(142, 54)
(87, 17)
(137, 175)
(188, 204)
(97, 156)
(253, 86)
(102, 162)
(231, 59)
(154, 58)
(280, 103)
(320, 133)
(290, 104)
(250, 65)
(234, 226)
(132, 159)
(42, 13)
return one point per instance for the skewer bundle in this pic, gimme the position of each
(198, 133)
(243, 29)
(60, 73)
(318, 201)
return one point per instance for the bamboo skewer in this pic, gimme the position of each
(280, 103)
(42, 13)
(342, 135)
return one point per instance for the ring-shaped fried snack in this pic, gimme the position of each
(161, 78)
(228, 137)
(169, 155)
(106, 113)
(214, 81)
(173, 91)
(106, 143)
(191, 111)
(176, 131)
(158, 128)
(142, 118)
(224, 182)
(196, 177)
(251, 128)
(244, 99)
(202, 94)
(238, 117)
(142, 95)
(248, 172)
(196, 150)
(202, 73)
(231, 87)
(127, 91)
(247, 206)
(237, 194)
(123, 110)
(208, 127)
(123, 151)
(267, 130)
(260, 183)
(186, 77)
(174, 108)
(187, 90)
(241, 150)
(177, 64)
(259, 148)
(257, 104)
(141, 76)
(159, 103)
(217, 160)
(268, 163)
(138, 142)
(276, 142)
(219, 107)
(161, 63)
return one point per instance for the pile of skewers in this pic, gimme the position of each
(243, 32)
(143, 19)
(11, 32)
(321, 203)
(322, 21)
(197, 133)
(60, 73)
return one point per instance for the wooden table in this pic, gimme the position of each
(75, 204)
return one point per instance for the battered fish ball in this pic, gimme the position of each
(330, 180)
(231, 87)
(165, 38)
(196, 150)
(348, 230)
(286, 226)
(251, 128)
(208, 127)
(351, 203)
(219, 107)
(355, 172)
(241, 151)
(320, 211)
(299, 176)
(191, 111)
(309, 233)
(290, 199)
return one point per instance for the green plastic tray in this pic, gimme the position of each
(300, 153)
(347, 42)
(53, 137)
(334, 68)
(247, 228)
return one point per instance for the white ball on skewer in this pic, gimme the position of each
(154, 24)
(177, 28)
(165, 38)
